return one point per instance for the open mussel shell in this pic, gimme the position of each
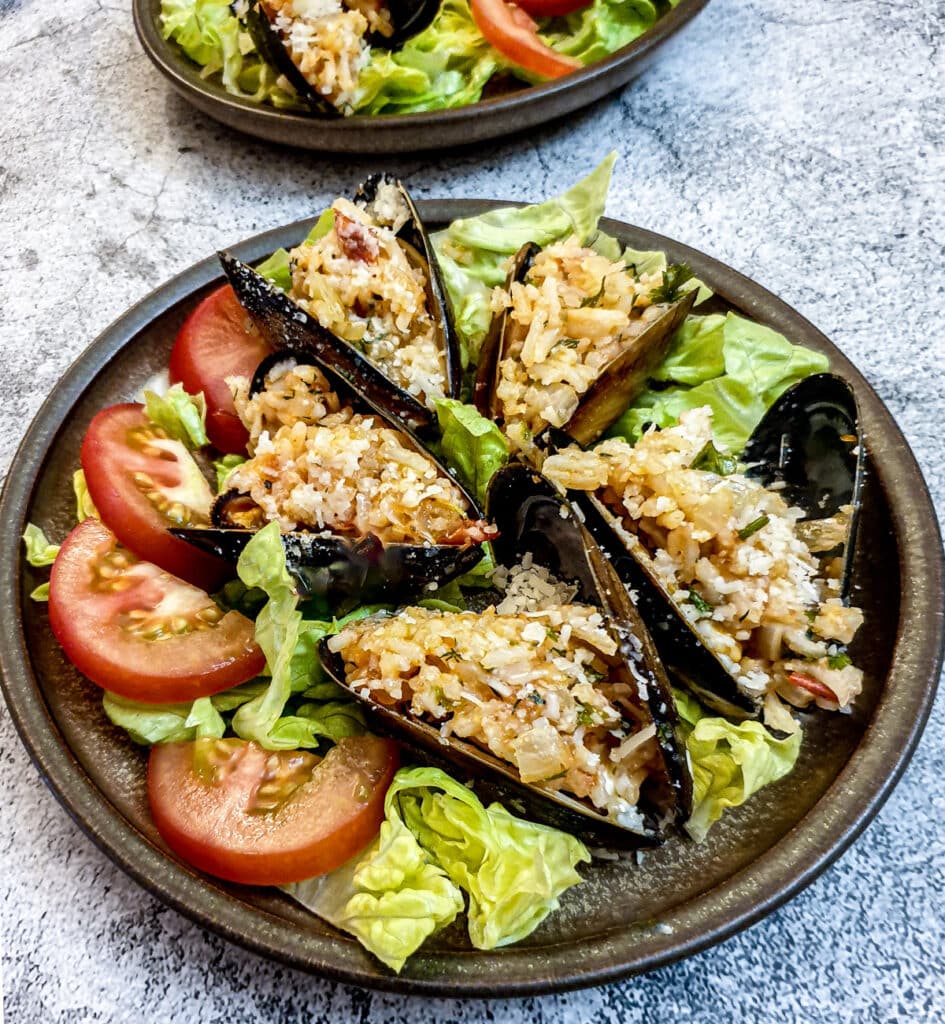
(287, 327)
(619, 382)
(416, 241)
(408, 17)
(339, 568)
(535, 520)
(808, 446)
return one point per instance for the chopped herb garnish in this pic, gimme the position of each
(551, 634)
(811, 614)
(452, 655)
(753, 527)
(568, 342)
(840, 660)
(700, 603)
(561, 653)
(536, 698)
(712, 460)
(586, 715)
(594, 299)
(674, 277)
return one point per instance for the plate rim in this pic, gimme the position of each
(527, 107)
(868, 777)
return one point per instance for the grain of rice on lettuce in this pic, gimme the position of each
(574, 312)
(537, 688)
(732, 556)
(368, 287)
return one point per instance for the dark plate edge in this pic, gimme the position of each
(921, 658)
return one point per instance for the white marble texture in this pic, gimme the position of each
(800, 141)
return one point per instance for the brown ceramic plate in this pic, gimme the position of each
(407, 133)
(625, 918)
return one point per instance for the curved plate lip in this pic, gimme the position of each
(855, 796)
(398, 132)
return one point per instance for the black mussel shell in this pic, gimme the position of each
(539, 522)
(342, 569)
(409, 18)
(416, 238)
(619, 382)
(286, 326)
(809, 447)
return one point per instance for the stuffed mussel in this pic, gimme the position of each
(573, 340)
(320, 46)
(555, 691)
(365, 510)
(740, 571)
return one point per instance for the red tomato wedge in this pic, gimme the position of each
(143, 482)
(812, 685)
(218, 340)
(552, 8)
(136, 630)
(513, 33)
(261, 817)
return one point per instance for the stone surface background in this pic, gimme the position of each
(800, 141)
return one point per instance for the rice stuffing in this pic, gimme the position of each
(538, 689)
(732, 556)
(573, 313)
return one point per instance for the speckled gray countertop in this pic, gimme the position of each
(800, 141)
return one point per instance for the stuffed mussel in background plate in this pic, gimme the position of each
(727, 564)
(556, 689)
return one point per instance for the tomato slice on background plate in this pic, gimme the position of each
(218, 340)
(136, 630)
(513, 33)
(552, 8)
(264, 817)
(142, 483)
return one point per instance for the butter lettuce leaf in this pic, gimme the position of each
(730, 761)
(472, 251)
(731, 364)
(84, 506)
(596, 31)
(164, 723)
(181, 416)
(471, 444)
(39, 551)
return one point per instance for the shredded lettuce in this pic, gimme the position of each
(471, 444)
(436, 841)
(223, 467)
(472, 251)
(181, 416)
(39, 551)
(84, 506)
(730, 761)
(731, 364)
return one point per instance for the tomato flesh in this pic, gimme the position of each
(218, 340)
(142, 483)
(510, 30)
(263, 817)
(138, 631)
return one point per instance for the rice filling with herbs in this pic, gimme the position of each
(574, 312)
(367, 286)
(731, 554)
(539, 689)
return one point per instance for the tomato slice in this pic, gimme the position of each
(136, 630)
(552, 8)
(218, 340)
(812, 685)
(512, 32)
(263, 817)
(143, 482)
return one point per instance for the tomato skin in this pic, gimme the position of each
(171, 670)
(323, 824)
(509, 29)
(552, 8)
(214, 344)
(108, 463)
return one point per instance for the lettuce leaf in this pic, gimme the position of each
(472, 251)
(84, 506)
(513, 871)
(437, 840)
(39, 552)
(729, 363)
(40, 593)
(276, 269)
(730, 761)
(601, 29)
(223, 467)
(471, 444)
(179, 415)
(164, 723)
